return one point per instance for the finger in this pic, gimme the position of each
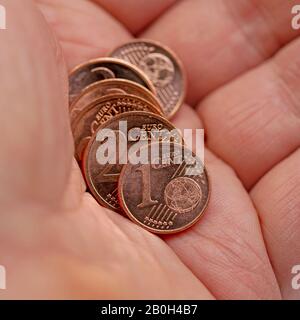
(35, 139)
(135, 15)
(84, 30)
(187, 112)
(257, 115)
(218, 40)
(225, 249)
(276, 197)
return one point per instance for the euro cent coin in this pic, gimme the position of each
(163, 68)
(165, 197)
(100, 111)
(101, 175)
(104, 68)
(107, 87)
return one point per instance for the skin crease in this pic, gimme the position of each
(57, 242)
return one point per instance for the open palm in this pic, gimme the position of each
(243, 64)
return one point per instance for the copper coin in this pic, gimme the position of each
(165, 197)
(102, 178)
(103, 88)
(163, 68)
(102, 110)
(104, 68)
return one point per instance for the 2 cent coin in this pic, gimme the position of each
(102, 174)
(104, 68)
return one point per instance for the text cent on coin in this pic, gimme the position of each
(104, 68)
(102, 179)
(162, 67)
(102, 110)
(165, 198)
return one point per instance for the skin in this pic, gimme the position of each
(242, 60)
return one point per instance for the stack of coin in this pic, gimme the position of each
(141, 84)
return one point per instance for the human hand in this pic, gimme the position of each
(243, 70)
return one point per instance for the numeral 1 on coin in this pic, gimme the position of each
(146, 194)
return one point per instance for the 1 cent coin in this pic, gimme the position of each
(102, 176)
(100, 111)
(165, 197)
(162, 67)
(104, 68)
(103, 88)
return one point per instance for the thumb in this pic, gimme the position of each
(35, 137)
